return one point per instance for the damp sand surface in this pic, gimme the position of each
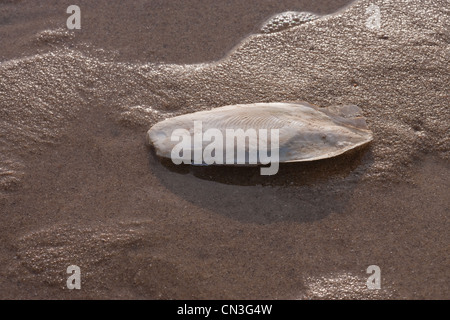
(80, 186)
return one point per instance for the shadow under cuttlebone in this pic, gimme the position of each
(301, 192)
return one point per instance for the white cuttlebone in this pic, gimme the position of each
(306, 132)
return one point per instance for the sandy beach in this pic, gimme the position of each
(80, 186)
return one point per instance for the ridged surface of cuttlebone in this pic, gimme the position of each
(306, 132)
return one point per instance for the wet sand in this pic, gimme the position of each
(80, 186)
